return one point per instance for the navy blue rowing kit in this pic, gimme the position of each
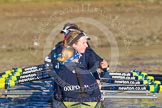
(88, 59)
(78, 84)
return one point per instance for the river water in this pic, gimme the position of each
(108, 103)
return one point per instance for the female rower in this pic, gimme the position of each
(51, 59)
(76, 72)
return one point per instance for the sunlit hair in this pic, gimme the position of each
(66, 53)
(71, 36)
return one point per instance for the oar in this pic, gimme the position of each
(12, 80)
(130, 82)
(16, 72)
(133, 73)
(31, 77)
(136, 78)
(41, 75)
(30, 69)
(24, 71)
(151, 88)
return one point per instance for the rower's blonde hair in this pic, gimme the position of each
(66, 53)
(71, 36)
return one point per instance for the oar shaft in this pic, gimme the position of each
(19, 73)
(130, 74)
(31, 69)
(151, 88)
(26, 70)
(12, 81)
(125, 88)
(131, 82)
(32, 77)
(135, 77)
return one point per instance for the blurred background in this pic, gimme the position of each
(126, 31)
(135, 26)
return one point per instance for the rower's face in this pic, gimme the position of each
(81, 45)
